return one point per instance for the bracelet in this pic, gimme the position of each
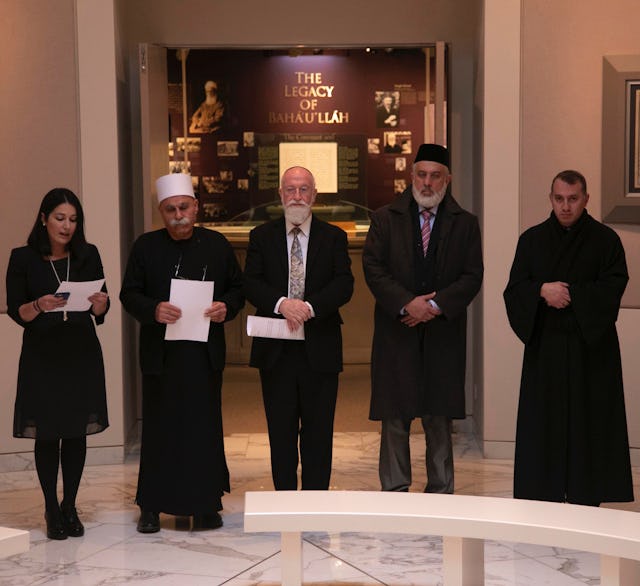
(36, 306)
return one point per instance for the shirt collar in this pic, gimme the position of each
(433, 211)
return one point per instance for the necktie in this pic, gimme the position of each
(296, 269)
(426, 230)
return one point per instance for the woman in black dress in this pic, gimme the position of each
(61, 392)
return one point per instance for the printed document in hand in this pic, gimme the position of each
(192, 297)
(271, 327)
(78, 293)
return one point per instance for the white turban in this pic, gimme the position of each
(174, 184)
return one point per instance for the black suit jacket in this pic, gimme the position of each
(328, 285)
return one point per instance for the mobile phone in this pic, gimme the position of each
(63, 294)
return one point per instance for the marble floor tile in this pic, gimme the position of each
(112, 552)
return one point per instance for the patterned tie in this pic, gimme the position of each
(296, 270)
(426, 230)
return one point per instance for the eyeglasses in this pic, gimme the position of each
(304, 190)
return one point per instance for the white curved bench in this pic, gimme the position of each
(463, 521)
(13, 541)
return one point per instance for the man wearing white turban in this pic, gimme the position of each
(183, 470)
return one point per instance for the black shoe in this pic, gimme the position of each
(149, 522)
(55, 525)
(206, 521)
(71, 522)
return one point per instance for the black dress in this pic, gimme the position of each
(61, 389)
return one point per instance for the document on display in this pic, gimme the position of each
(271, 327)
(77, 294)
(193, 298)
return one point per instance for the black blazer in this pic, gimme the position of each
(328, 285)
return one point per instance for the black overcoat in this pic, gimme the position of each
(420, 370)
(571, 441)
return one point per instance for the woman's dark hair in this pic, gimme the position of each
(39, 238)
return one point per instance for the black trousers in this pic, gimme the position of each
(299, 405)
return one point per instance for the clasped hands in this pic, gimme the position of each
(556, 294)
(419, 310)
(296, 312)
(166, 313)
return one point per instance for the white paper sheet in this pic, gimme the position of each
(192, 297)
(79, 293)
(270, 327)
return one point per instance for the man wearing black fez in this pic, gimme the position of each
(423, 263)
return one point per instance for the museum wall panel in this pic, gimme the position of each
(354, 117)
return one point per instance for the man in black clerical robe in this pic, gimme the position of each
(562, 299)
(183, 470)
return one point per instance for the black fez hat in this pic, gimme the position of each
(433, 152)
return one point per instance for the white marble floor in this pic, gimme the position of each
(112, 552)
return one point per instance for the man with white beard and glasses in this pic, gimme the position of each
(422, 260)
(298, 269)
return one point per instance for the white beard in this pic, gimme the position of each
(297, 213)
(429, 201)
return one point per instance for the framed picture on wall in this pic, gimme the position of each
(621, 139)
(633, 138)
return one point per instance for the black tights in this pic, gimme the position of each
(71, 453)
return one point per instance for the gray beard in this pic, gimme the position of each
(296, 214)
(429, 201)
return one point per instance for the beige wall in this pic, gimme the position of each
(563, 50)
(38, 113)
(40, 128)
(60, 89)
(562, 54)
(39, 120)
(500, 108)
